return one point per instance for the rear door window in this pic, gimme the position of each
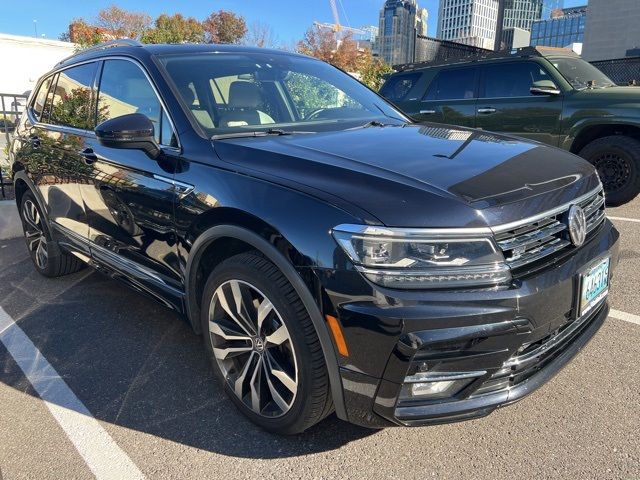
(458, 84)
(398, 87)
(71, 105)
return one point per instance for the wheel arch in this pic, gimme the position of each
(22, 183)
(236, 239)
(591, 132)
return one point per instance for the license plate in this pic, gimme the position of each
(594, 286)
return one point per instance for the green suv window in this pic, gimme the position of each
(512, 79)
(458, 84)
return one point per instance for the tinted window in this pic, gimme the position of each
(248, 91)
(397, 88)
(41, 97)
(311, 95)
(71, 105)
(512, 79)
(125, 89)
(453, 85)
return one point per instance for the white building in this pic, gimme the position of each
(472, 22)
(25, 59)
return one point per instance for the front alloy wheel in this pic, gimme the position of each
(263, 345)
(253, 348)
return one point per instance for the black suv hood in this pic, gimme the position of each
(421, 175)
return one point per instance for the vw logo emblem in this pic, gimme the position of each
(258, 344)
(577, 225)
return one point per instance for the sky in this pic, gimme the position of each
(289, 19)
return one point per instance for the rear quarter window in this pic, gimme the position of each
(41, 97)
(397, 88)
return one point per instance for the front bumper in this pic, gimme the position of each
(513, 339)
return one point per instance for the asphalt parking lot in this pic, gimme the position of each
(143, 375)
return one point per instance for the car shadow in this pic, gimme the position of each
(136, 364)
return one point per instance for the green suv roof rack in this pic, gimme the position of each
(517, 52)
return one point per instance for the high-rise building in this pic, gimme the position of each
(514, 37)
(521, 14)
(472, 22)
(564, 28)
(611, 29)
(401, 21)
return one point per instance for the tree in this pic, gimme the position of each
(174, 29)
(372, 71)
(121, 23)
(260, 35)
(85, 35)
(345, 54)
(323, 44)
(224, 27)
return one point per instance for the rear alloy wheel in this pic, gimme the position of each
(617, 160)
(47, 257)
(34, 234)
(263, 345)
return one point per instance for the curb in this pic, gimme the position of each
(10, 225)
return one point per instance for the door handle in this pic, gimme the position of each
(427, 112)
(487, 110)
(89, 156)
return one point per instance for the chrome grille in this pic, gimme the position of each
(529, 242)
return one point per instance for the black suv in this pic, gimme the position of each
(334, 255)
(546, 94)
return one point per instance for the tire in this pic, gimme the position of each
(48, 259)
(617, 159)
(244, 356)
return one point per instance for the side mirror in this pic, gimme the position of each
(544, 87)
(131, 131)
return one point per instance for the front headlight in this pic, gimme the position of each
(411, 258)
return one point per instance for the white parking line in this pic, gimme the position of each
(624, 219)
(99, 451)
(627, 317)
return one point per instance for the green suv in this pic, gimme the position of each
(549, 95)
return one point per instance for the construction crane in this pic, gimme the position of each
(336, 27)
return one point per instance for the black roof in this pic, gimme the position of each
(134, 48)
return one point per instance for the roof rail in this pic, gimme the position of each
(122, 42)
(516, 52)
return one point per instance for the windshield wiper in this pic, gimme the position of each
(256, 133)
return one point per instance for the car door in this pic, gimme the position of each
(58, 140)
(507, 105)
(131, 197)
(451, 98)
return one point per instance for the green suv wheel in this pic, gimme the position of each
(617, 159)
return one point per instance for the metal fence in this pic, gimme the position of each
(11, 107)
(623, 71)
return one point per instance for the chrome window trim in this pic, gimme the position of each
(37, 123)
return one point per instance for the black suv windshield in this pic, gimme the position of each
(579, 73)
(248, 92)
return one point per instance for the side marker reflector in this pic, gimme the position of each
(336, 331)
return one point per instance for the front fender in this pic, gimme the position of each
(260, 244)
